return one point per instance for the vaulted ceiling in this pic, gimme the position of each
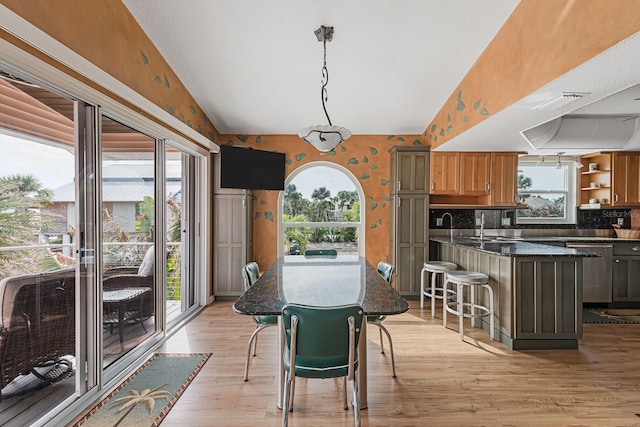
(255, 66)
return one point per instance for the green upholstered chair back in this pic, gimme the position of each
(325, 253)
(322, 339)
(250, 273)
(386, 271)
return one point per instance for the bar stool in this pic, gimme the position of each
(435, 268)
(472, 280)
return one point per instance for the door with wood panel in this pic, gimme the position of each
(504, 179)
(445, 173)
(626, 179)
(474, 174)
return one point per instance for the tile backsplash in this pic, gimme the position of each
(506, 219)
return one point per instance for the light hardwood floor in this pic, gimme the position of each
(441, 381)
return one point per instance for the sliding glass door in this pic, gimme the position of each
(92, 268)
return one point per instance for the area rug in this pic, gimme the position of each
(147, 396)
(610, 315)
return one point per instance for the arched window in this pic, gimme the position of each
(319, 209)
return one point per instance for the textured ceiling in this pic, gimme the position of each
(254, 66)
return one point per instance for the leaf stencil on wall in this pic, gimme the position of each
(352, 161)
(200, 130)
(181, 117)
(242, 138)
(373, 150)
(373, 206)
(390, 137)
(331, 153)
(144, 57)
(300, 156)
(193, 110)
(433, 128)
(465, 119)
(373, 225)
(157, 79)
(189, 123)
(252, 197)
(484, 112)
(460, 103)
(380, 221)
(401, 139)
(369, 197)
(387, 198)
(170, 109)
(383, 205)
(258, 215)
(263, 202)
(258, 139)
(448, 117)
(476, 105)
(384, 181)
(374, 166)
(442, 132)
(365, 176)
(289, 162)
(417, 142)
(365, 159)
(166, 81)
(450, 128)
(343, 148)
(269, 215)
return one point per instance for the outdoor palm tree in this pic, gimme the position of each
(21, 200)
(321, 204)
(293, 201)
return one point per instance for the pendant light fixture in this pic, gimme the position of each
(324, 137)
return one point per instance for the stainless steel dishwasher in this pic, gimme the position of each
(596, 272)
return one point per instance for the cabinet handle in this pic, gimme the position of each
(617, 261)
(615, 197)
(433, 185)
(488, 187)
(398, 185)
(636, 248)
(398, 202)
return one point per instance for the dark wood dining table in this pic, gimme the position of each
(324, 282)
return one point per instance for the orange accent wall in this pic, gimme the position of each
(106, 34)
(541, 40)
(365, 156)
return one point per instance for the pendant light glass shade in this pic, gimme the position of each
(324, 137)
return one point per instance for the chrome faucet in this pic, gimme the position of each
(450, 223)
(481, 225)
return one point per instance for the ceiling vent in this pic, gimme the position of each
(560, 100)
(584, 133)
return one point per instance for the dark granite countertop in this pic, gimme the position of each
(347, 279)
(574, 239)
(512, 248)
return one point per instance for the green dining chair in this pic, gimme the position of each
(321, 342)
(386, 271)
(324, 253)
(250, 274)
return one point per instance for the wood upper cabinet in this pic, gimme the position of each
(625, 184)
(474, 174)
(445, 173)
(410, 169)
(504, 179)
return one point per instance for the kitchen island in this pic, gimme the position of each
(537, 288)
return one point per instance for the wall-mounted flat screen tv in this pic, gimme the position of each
(251, 169)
